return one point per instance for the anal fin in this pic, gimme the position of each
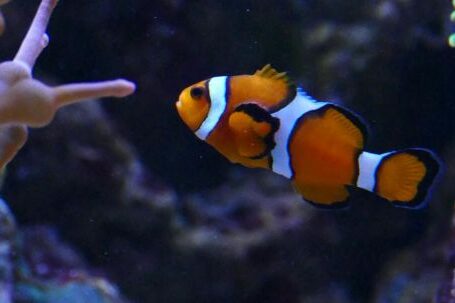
(324, 196)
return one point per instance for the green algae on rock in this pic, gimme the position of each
(36, 266)
(50, 271)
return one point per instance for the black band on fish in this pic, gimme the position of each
(259, 114)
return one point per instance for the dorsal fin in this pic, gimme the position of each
(345, 125)
(270, 73)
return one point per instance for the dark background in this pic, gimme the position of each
(214, 241)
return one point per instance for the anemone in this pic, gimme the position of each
(27, 102)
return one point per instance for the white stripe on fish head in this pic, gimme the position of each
(218, 92)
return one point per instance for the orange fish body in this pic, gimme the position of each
(263, 120)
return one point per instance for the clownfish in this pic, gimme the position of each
(265, 121)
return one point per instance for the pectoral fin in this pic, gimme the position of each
(253, 129)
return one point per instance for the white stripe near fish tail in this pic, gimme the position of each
(368, 165)
(403, 177)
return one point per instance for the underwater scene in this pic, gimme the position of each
(245, 151)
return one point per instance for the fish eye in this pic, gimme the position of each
(197, 92)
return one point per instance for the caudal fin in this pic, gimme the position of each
(405, 177)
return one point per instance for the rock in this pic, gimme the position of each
(424, 272)
(35, 266)
(7, 234)
(128, 212)
(50, 271)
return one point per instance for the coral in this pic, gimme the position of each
(108, 194)
(346, 46)
(424, 272)
(7, 234)
(36, 266)
(27, 102)
(414, 275)
(46, 270)
(49, 270)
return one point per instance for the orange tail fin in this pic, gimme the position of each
(405, 177)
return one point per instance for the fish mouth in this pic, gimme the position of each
(178, 104)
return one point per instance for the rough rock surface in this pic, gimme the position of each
(35, 266)
(7, 234)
